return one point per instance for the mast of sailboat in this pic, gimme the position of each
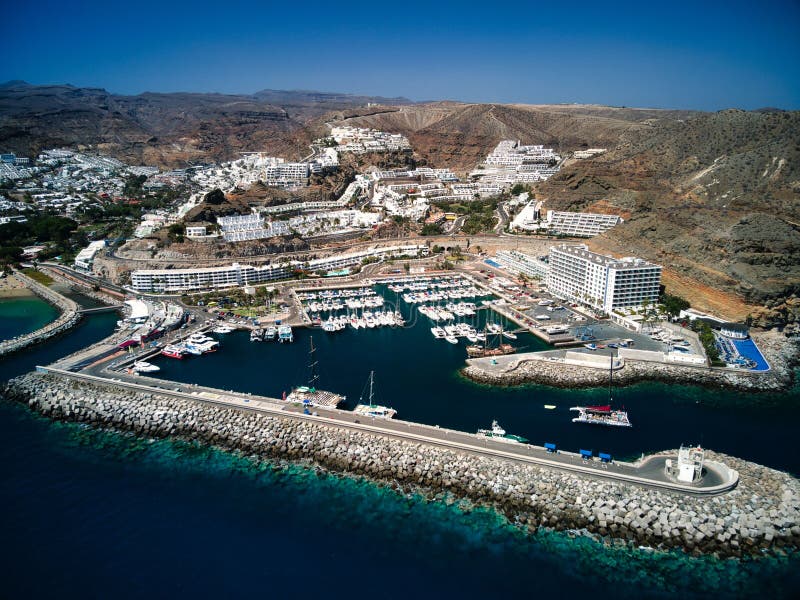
(371, 380)
(312, 366)
(610, 377)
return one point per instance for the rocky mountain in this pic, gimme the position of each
(457, 135)
(715, 198)
(164, 129)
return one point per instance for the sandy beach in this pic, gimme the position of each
(11, 287)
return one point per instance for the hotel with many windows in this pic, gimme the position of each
(159, 281)
(599, 281)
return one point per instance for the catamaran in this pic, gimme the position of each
(603, 415)
(372, 409)
(173, 351)
(309, 395)
(500, 434)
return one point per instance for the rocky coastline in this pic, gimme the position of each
(758, 518)
(781, 353)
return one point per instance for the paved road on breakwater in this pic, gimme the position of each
(648, 473)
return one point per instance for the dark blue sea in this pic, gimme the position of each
(94, 514)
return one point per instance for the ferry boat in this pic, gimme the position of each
(603, 415)
(309, 395)
(173, 351)
(141, 366)
(372, 409)
(498, 433)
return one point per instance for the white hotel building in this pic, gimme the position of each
(599, 281)
(160, 281)
(521, 263)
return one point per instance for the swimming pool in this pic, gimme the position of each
(491, 263)
(748, 349)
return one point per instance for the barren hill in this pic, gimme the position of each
(455, 135)
(170, 130)
(715, 198)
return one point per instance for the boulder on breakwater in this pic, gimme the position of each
(545, 369)
(759, 517)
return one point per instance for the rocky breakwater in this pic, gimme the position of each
(69, 317)
(758, 517)
(545, 369)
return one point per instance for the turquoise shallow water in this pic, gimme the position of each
(96, 515)
(19, 316)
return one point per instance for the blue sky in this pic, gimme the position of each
(700, 55)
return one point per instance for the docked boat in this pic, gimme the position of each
(509, 335)
(438, 333)
(208, 346)
(309, 395)
(173, 351)
(141, 366)
(371, 409)
(498, 433)
(451, 338)
(190, 348)
(603, 415)
(257, 335)
(270, 333)
(222, 329)
(285, 334)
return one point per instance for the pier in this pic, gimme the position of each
(647, 473)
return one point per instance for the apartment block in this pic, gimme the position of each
(602, 282)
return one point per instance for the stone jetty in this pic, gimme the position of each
(67, 320)
(758, 517)
(544, 368)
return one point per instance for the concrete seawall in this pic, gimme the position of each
(759, 516)
(546, 369)
(69, 317)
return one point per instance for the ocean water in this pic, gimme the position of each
(19, 316)
(418, 376)
(95, 514)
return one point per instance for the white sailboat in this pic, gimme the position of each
(371, 409)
